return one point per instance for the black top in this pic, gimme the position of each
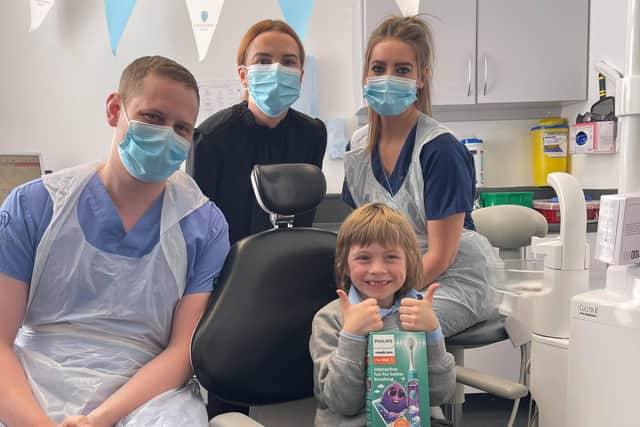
(227, 146)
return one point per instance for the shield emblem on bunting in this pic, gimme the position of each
(204, 15)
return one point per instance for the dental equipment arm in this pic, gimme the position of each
(573, 234)
(566, 261)
(607, 70)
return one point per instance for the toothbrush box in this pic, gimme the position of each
(397, 380)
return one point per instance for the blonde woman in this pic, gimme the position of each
(410, 161)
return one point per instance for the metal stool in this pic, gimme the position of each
(482, 333)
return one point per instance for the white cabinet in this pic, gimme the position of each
(495, 51)
(454, 30)
(532, 51)
(367, 15)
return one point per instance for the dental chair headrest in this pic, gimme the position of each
(288, 189)
(509, 226)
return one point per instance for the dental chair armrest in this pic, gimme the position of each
(494, 385)
(233, 419)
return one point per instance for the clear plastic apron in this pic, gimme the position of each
(467, 280)
(94, 318)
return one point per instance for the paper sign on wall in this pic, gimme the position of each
(297, 13)
(204, 16)
(118, 12)
(39, 10)
(408, 7)
(216, 95)
(336, 138)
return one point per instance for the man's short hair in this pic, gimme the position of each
(132, 76)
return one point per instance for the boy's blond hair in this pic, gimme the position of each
(378, 223)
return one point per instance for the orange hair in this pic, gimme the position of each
(263, 27)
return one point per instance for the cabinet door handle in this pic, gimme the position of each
(486, 72)
(469, 65)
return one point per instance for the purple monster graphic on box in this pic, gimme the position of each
(393, 403)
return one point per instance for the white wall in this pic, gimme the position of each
(507, 152)
(507, 149)
(56, 79)
(607, 30)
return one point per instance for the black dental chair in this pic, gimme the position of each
(251, 347)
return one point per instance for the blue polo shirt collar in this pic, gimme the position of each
(355, 298)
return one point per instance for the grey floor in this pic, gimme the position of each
(484, 410)
(479, 410)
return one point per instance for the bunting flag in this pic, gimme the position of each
(118, 12)
(297, 13)
(204, 16)
(408, 7)
(39, 10)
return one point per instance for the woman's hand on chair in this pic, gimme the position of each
(418, 315)
(82, 421)
(76, 421)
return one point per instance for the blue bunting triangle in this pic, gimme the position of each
(297, 13)
(118, 12)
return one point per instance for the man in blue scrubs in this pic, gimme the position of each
(105, 270)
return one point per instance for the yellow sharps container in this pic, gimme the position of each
(550, 140)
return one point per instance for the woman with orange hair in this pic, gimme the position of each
(262, 129)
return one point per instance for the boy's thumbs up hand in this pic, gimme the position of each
(431, 290)
(418, 315)
(344, 300)
(361, 318)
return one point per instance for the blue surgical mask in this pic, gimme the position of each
(390, 95)
(151, 153)
(273, 87)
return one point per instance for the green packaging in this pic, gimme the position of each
(397, 380)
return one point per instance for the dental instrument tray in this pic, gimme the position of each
(550, 209)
